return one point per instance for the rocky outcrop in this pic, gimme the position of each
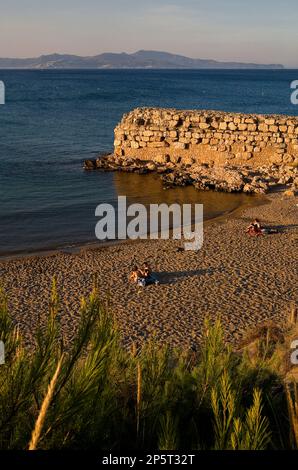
(226, 178)
(207, 149)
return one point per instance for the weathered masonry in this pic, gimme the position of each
(212, 137)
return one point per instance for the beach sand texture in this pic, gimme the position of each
(242, 279)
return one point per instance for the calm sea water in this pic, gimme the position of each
(53, 120)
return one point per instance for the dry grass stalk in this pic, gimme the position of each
(44, 408)
(293, 316)
(139, 394)
(133, 349)
(293, 411)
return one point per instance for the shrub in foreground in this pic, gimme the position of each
(94, 394)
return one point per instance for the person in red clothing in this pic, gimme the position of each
(255, 228)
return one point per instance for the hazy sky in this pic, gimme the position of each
(243, 30)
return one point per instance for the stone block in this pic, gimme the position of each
(250, 120)
(263, 127)
(134, 144)
(214, 124)
(179, 145)
(148, 133)
(204, 125)
(156, 144)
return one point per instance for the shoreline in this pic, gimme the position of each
(243, 280)
(77, 247)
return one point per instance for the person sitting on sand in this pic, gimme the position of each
(137, 277)
(148, 276)
(257, 224)
(146, 270)
(135, 274)
(143, 277)
(255, 228)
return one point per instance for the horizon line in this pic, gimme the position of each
(145, 50)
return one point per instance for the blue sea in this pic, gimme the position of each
(54, 119)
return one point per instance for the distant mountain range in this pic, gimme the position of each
(137, 60)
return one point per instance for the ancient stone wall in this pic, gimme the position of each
(211, 137)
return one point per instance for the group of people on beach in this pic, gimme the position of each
(143, 276)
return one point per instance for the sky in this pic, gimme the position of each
(261, 31)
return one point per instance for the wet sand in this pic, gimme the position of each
(242, 279)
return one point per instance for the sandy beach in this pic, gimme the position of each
(242, 279)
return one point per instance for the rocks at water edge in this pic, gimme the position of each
(226, 178)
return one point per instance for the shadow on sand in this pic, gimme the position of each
(176, 276)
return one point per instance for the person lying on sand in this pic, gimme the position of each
(255, 228)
